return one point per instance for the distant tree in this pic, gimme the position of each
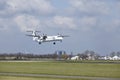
(83, 56)
(118, 54)
(91, 55)
(64, 56)
(112, 54)
(55, 56)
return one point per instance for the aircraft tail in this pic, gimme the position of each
(34, 35)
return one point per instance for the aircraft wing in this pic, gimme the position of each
(63, 36)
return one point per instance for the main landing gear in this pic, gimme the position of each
(54, 43)
(39, 42)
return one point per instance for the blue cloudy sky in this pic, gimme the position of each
(91, 24)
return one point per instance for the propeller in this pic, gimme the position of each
(44, 36)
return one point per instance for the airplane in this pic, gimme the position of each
(44, 38)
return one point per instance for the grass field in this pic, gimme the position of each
(110, 70)
(33, 78)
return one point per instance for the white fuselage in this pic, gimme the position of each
(48, 39)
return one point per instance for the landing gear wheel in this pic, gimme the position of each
(39, 42)
(54, 43)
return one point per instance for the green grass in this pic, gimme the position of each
(63, 68)
(33, 78)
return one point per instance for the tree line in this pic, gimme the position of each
(59, 55)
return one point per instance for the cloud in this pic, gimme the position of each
(12, 7)
(90, 6)
(6, 24)
(118, 6)
(27, 22)
(26, 14)
(87, 23)
(61, 22)
(113, 25)
(23, 14)
(2, 25)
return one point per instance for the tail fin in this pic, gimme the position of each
(33, 33)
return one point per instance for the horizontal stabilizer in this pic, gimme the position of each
(32, 35)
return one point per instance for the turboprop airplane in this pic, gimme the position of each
(44, 38)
